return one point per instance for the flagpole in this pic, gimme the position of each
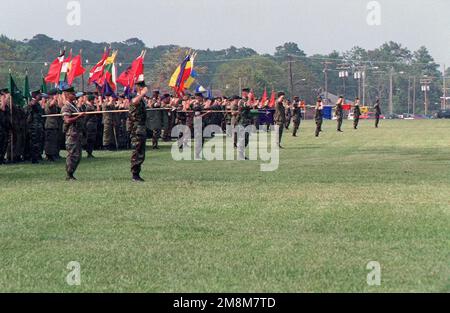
(26, 77)
(82, 75)
(11, 116)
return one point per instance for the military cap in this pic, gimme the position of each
(44, 95)
(141, 83)
(34, 94)
(199, 94)
(236, 97)
(341, 97)
(111, 94)
(4, 91)
(280, 93)
(52, 92)
(164, 96)
(91, 97)
(245, 89)
(79, 94)
(68, 89)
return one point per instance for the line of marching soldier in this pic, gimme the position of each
(27, 136)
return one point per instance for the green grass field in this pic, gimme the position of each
(336, 203)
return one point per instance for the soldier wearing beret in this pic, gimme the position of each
(109, 138)
(339, 112)
(73, 129)
(356, 114)
(35, 125)
(318, 116)
(154, 119)
(280, 116)
(137, 124)
(377, 108)
(52, 127)
(297, 115)
(90, 125)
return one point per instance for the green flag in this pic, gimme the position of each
(43, 85)
(26, 88)
(16, 94)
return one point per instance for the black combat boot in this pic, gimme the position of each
(70, 177)
(137, 178)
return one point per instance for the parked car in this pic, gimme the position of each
(371, 116)
(443, 114)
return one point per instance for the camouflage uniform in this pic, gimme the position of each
(297, 118)
(5, 125)
(90, 128)
(339, 115)
(73, 139)
(244, 120)
(288, 117)
(35, 128)
(108, 127)
(154, 124)
(52, 131)
(377, 113)
(318, 117)
(356, 115)
(280, 119)
(137, 125)
(17, 135)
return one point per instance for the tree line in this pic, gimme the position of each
(226, 71)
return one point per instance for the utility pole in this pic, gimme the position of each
(364, 85)
(391, 85)
(444, 103)
(325, 71)
(425, 84)
(409, 93)
(414, 97)
(291, 80)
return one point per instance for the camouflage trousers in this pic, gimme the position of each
(355, 122)
(51, 146)
(319, 122)
(3, 145)
(35, 144)
(339, 122)
(91, 137)
(296, 127)
(73, 147)
(138, 140)
(280, 132)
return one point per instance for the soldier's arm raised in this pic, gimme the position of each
(141, 94)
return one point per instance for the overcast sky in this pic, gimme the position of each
(318, 26)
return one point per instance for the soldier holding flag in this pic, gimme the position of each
(73, 128)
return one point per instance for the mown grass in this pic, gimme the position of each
(335, 203)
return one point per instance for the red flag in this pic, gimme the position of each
(272, 100)
(133, 74)
(75, 69)
(346, 107)
(264, 97)
(55, 69)
(97, 71)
